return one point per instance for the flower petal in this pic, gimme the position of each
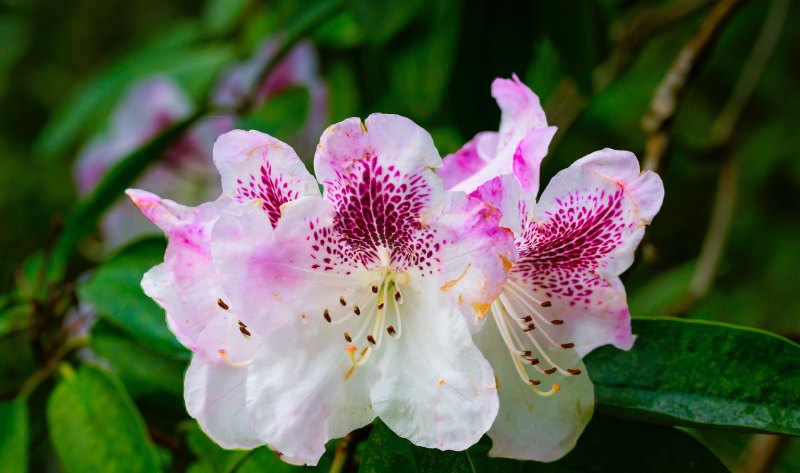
(576, 242)
(469, 160)
(470, 255)
(521, 112)
(298, 393)
(530, 426)
(254, 165)
(505, 194)
(436, 388)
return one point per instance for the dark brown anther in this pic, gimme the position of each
(534, 361)
(546, 304)
(390, 329)
(243, 329)
(347, 337)
(356, 310)
(573, 371)
(327, 315)
(551, 370)
(527, 353)
(397, 296)
(380, 306)
(374, 288)
(222, 304)
(342, 301)
(534, 382)
(371, 339)
(527, 318)
(529, 328)
(567, 345)
(556, 322)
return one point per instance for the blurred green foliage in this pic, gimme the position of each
(594, 63)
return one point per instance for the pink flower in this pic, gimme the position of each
(360, 294)
(563, 297)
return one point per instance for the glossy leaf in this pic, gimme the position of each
(115, 292)
(384, 451)
(701, 374)
(94, 426)
(282, 115)
(14, 436)
(618, 446)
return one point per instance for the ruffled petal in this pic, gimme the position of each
(505, 194)
(521, 112)
(576, 242)
(471, 158)
(299, 393)
(530, 426)
(436, 388)
(469, 256)
(254, 165)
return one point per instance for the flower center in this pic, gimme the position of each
(522, 322)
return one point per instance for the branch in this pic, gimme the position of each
(656, 121)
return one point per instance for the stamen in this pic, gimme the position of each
(356, 310)
(573, 371)
(371, 339)
(374, 288)
(347, 337)
(224, 355)
(527, 318)
(567, 346)
(551, 370)
(546, 304)
(222, 304)
(390, 329)
(534, 382)
(534, 361)
(398, 297)
(556, 322)
(243, 329)
(327, 316)
(529, 328)
(342, 301)
(380, 306)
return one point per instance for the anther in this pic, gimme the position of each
(527, 318)
(556, 322)
(356, 310)
(327, 315)
(371, 339)
(527, 353)
(529, 328)
(342, 301)
(573, 371)
(243, 329)
(374, 288)
(391, 330)
(534, 361)
(222, 304)
(546, 304)
(397, 296)
(551, 370)
(380, 306)
(534, 382)
(567, 345)
(347, 337)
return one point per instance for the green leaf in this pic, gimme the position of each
(701, 374)
(16, 361)
(282, 115)
(14, 318)
(14, 436)
(84, 216)
(664, 293)
(384, 451)
(114, 291)
(341, 31)
(94, 426)
(382, 20)
(142, 370)
(618, 446)
(222, 16)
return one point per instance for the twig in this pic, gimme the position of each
(662, 108)
(762, 453)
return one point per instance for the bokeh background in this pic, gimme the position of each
(725, 247)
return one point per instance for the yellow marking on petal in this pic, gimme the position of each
(507, 263)
(481, 309)
(441, 382)
(450, 284)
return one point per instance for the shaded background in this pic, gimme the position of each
(594, 64)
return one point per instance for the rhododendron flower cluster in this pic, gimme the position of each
(186, 171)
(439, 295)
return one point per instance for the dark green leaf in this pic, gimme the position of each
(701, 374)
(341, 31)
(382, 20)
(142, 370)
(16, 360)
(282, 115)
(221, 16)
(618, 446)
(114, 291)
(384, 451)
(94, 426)
(14, 434)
